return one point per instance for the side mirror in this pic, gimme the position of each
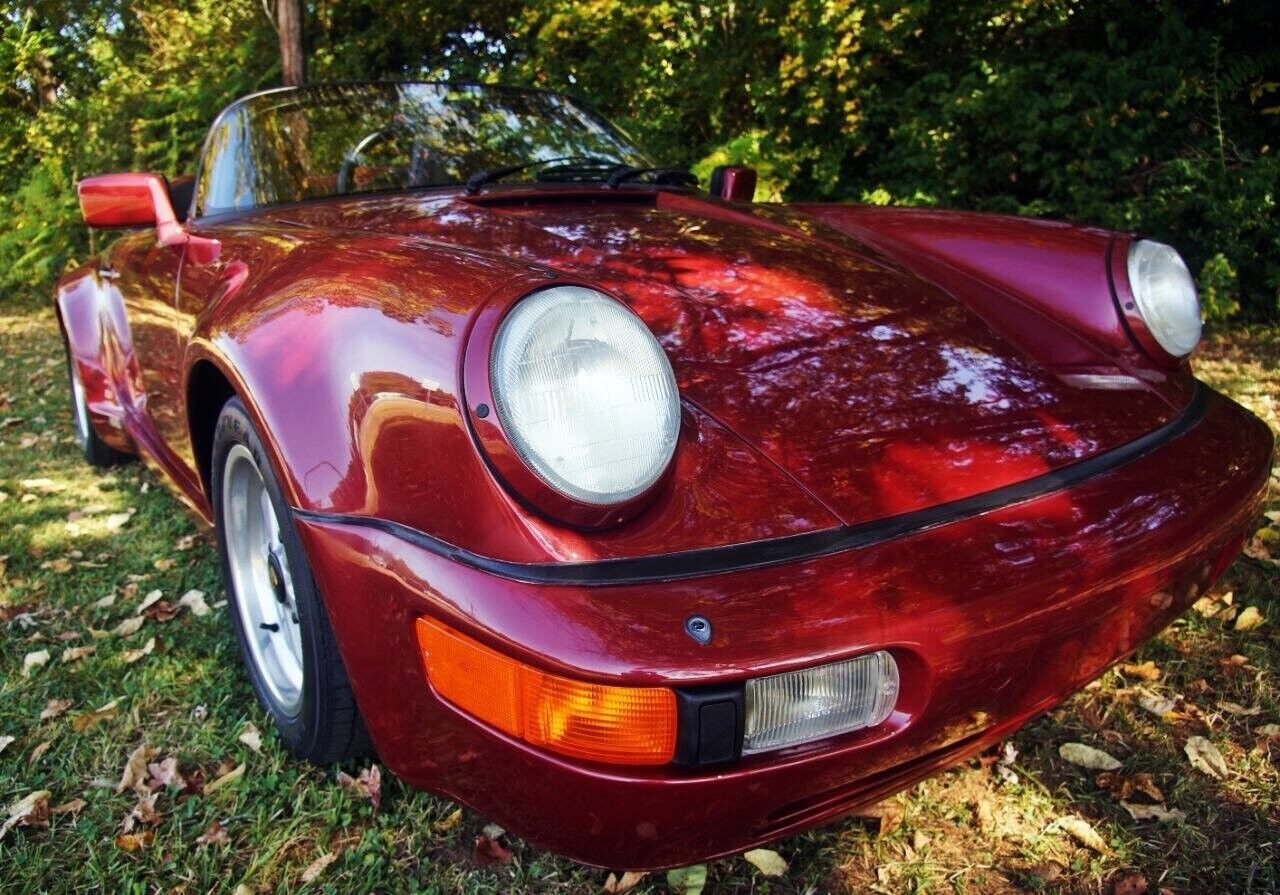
(139, 200)
(733, 183)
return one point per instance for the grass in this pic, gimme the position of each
(989, 826)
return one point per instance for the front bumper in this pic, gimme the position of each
(993, 619)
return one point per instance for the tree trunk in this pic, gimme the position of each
(289, 27)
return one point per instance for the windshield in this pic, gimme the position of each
(330, 140)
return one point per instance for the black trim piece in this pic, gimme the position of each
(792, 548)
(709, 723)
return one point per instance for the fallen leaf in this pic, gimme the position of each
(106, 602)
(1269, 730)
(148, 601)
(135, 769)
(443, 826)
(39, 750)
(194, 602)
(226, 779)
(1083, 832)
(162, 611)
(688, 880)
(129, 626)
(316, 867)
(32, 661)
(1154, 812)
(131, 842)
(489, 851)
(186, 542)
(1205, 757)
(76, 653)
(133, 655)
(164, 564)
(75, 806)
(1236, 709)
(620, 885)
(214, 834)
(164, 773)
(67, 636)
(32, 810)
(887, 814)
(369, 785)
(1087, 757)
(1123, 788)
(117, 521)
(1130, 884)
(1147, 671)
(767, 861)
(144, 813)
(1156, 705)
(5, 741)
(81, 723)
(251, 738)
(1249, 619)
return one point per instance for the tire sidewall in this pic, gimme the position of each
(301, 731)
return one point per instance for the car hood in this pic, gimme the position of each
(878, 392)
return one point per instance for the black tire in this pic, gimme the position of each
(326, 726)
(96, 451)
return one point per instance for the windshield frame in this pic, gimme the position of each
(195, 211)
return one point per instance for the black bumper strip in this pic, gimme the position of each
(792, 548)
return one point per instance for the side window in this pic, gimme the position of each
(226, 182)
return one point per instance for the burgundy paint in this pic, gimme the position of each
(344, 326)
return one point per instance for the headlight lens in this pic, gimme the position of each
(585, 394)
(1166, 296)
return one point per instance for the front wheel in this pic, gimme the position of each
(285, 638)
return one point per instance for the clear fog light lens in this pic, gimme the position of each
(798, 706)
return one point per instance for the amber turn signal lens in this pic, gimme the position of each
(598, 722)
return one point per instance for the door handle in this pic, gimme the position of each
(108, 274)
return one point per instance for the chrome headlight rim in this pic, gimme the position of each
(507, 454)
(1168, 330)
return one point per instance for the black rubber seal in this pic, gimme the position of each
(792, 548)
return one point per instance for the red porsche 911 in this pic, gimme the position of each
(651, 522)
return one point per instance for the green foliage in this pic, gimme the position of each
(1160, 118)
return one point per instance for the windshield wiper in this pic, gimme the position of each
(480, 178)
(661, 176)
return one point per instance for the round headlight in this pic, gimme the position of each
(1165, 295)
(585, 394)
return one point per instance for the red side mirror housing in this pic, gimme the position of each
(733, 183)
(139, 200)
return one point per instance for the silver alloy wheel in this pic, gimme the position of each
(262, 583)
(80, 403)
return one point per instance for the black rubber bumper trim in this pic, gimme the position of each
(792, 548)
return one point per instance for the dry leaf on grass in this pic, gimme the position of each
(1083, 832)
(143, 813)
(32, 810)
(135, 769)
(75, 806)
(32, 661)
(1157, 705)
(1124, 788)
(1147, 671)
(5, 741)
(129, 626)
(1249, 619)
(620, 885)
(214, 834)
(688, 880)
(1205, 757)
(76, 653)
(1154, 812)
(443, 826)
(887, 814)
(193, 601)
(1130, 884)
(133, 655)
(1087, 757)
(81, 723)
(164, 773)
(767, 861)
(38, 751)
(161, 612)
(148, 601)
(316, 867)
(1235, 708)
(489, 851)
(226, 779)
(251, 738)
(368, 784)
(117, 521)
(131, 842)
(54, 707)
(106, 602)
